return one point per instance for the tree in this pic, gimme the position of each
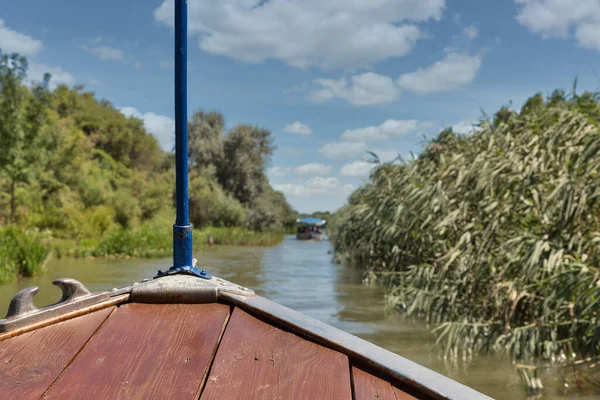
(205, 136)
(23, 114)
(247, 151)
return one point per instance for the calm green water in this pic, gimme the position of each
(300, 275)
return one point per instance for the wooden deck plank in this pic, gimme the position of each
(10, 347)
(400, 395)
(256, 360)
(146, 351)
(47, 352)
(369, 387)
(402, 370)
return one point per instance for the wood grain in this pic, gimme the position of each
(46, 353)
(385, 362)
(400, 395)
(369, 387)
(9, 348)
(258, 361)
(146, 351)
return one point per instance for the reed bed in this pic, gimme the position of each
(22, 253)
(153, 242)
(493, 237)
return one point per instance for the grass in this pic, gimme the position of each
(151, 241)
(22, 253)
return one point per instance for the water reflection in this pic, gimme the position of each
(300, 275)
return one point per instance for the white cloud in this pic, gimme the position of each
(451, 73)
(12, 41)
(389, 129)
(342, 150)
(555, 18)
(161, 126)
(471, 32)
(36, 72)
(326, 34)
(130, 112)
(313, 169)
(317, 186)
(362, 90)
(298, 128)
(108, 53)
(588, 36)
(100, 48)
(357, 169)
(279, 172)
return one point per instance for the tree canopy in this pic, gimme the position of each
(76, 166)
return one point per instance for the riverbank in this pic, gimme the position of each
(21, 254)
(153, 243)
(25, 253)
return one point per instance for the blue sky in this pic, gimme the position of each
(331, 79)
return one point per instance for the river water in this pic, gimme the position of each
(300, 275)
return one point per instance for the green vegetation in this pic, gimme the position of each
(147, 242)
(95, 182)
(493, 237)
(21, 253)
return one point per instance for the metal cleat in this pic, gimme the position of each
(22, 311)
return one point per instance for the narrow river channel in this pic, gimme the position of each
(300, 275)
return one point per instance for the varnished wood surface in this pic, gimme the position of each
(10, 347)
(194, 351)
(146, 351)
(400, 395)
(31, 370)
(258, 361)
(409, 373)
(369, 387)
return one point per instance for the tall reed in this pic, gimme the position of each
(22, 253)
(493, 237)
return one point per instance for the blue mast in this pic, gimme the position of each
(182, 229)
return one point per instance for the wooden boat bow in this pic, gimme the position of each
(188, 335)
(240, 322)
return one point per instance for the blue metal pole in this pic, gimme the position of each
(182, 230)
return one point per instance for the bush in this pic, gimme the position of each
(144, 242)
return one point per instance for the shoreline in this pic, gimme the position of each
(19, 260)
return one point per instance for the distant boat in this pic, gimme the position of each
(311, 229)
